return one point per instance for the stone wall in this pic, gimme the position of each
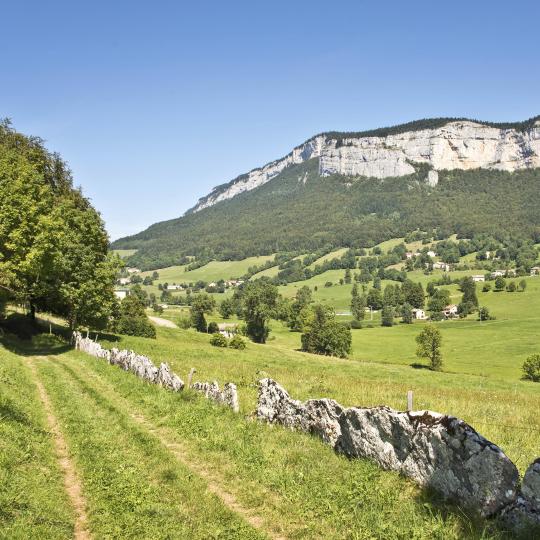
(436, 451)
(228, 396)
(145, 369)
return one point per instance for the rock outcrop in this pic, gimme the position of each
(455, 145)
(436, 451)
(228, 396)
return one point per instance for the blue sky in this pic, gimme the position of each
(154, 103)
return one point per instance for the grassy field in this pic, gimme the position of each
(124, 253)
(153, 464)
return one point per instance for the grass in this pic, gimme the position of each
(299, 487)
(124, 253)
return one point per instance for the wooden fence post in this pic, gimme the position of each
(409, 400)
(192, 371)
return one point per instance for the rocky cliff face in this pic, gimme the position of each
(455, 145)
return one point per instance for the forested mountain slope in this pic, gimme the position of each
(301, 210)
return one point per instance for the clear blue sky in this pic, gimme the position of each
(154, 103)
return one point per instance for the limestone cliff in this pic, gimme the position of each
(455, 144)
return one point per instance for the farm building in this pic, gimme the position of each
(124, 281)
(445, 267)
(535, 271)
(132, 270)
(121, 293)
(450, 311)
(419, 314)
(479, 277)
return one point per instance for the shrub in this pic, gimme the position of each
(356, 325)
(483, 314)
(511, 287)
(531, 368)
(184, 323)
(133, 320)
(486, 287)
(213, 327)
(237, 342)
(218, 340)
(328, 284)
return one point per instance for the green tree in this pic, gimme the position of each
(302, 299)
(201, 305)
(387, 316)
(468, 288)
(347, 275)
(531, 368)
(358, 307)
(522, 285)
(324, 335)
(429, 346)
(439, 300)
(406, 313)
(259, 305)
(226, 308)
(500, 284)
(483, 314)
(511, 287)
(374, 299)
(133, 320)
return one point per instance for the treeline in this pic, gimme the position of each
(286, 215)
(53, 244)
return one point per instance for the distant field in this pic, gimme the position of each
(124, 253)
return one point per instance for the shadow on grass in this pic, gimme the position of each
(416, 365)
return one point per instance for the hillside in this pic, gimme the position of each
(357, 189)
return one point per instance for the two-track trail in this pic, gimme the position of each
(72, 482)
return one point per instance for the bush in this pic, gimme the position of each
(483, 314)
(213, 328)
(356, 325)
(219, 340)
(511, 287)
(136, 326)
(237, 342)
(184, 323)
(531, 368)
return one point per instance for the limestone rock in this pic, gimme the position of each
(438, 451)
(227, 397)
(166, 378)
(456, 145)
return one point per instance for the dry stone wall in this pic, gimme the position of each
(436, 451)
(145, 369)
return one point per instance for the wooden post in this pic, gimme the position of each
(409, 400)
(192, 371)
(50, 329)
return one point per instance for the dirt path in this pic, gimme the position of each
(214, 484)
(71, 480)
(162, 322)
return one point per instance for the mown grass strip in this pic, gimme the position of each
(33, 503)
(133, 487)
(291, 479)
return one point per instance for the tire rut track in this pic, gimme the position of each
(72, 483)
(178, 451)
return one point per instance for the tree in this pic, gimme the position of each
(202, 304)
(429, 346)
(486, 287)
(531, 368)
(226, 308)
(387, 316)
(468, 288)
(133, 320)
(259, 304)
(358, 307)
(302, 299)
(500, 284)
(213, 328)
(406, 313)
(347, 275)
(324, 335)
(413, 293)
(522, 285)
(483, 314)
(511, 287)
(374, 299)
(439, 300)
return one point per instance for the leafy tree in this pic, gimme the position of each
(522, 285)
(219, 340)
(201, 305)
(413, 293)
(500, 284)
(236, 342)
(226, 308)
(483, 314)
(347, 275)
(387, 316)
(133, 320)
(511, 287)
(531, 368)
(358, 307)
(259, 305)
(213, 327)
(374, 299)
(468, 288)
(406, 313)
(302, 299)
(429, 346)
(486, 287)
(325, 335)
(439, 300)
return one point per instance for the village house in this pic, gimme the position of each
(450, 311)
(174, 287)
(445, 267)
(227, 329)
(409, 255)
(479, 277)
(419, 314)
(124, 281)
(132, 270)
(121, 293)
(535, 271)
(431, 254)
